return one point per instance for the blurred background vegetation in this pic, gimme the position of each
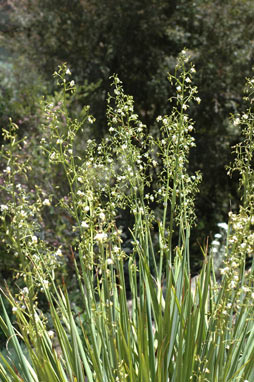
(139, 40)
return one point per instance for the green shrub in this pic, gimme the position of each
(167, 329)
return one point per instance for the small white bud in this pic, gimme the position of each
(51, 333)
(34, 239)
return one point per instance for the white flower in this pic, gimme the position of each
(59, 252)
(245, 116)
(51, 333)
(198, 99)
(25, 290)
(224, 270)
(86, 208)
(52, 155)
(59, 141)
(188, 79)
(84, 224)
(72, 83)
(179, 88)
(223, 226)
(46, 202)
(23, 214)
(4, 207)
(80, 193)
(7, 170)
(236, 122)
(193, 70)
(102, 216)
(159, 118)
(165, 121)
(45, 283)
(233, 239)
(90, 119)
(101, 236)
(14, 309)
(34, 239)
(110, 261)
(68, 71)
(184, 106)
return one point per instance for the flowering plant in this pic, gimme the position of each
(159, 325)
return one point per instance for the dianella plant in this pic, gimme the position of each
(135, 315)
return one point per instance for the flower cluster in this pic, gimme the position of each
(175, 144)
(244, 151)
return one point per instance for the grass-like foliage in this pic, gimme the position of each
(137, 317)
